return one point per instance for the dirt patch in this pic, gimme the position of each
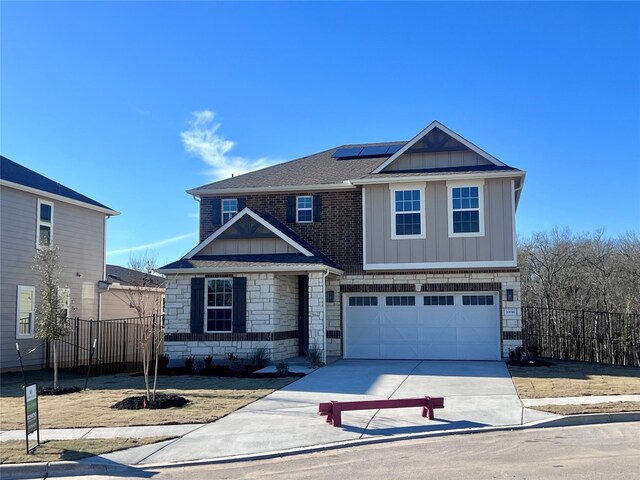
(210, 398)
(43, 391)
(608, 407)
(13, 451)
(575, 379)
(160, 402)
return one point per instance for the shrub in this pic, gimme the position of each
(236, 364)
(517, 354)
(189, 362)
(163, 361)
(314, 356)
(259, 358)
(208, 361)
(282, 368)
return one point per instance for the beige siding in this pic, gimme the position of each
(437, 247)
(254, 246)
(420, 161)
(79, 232)
(115, 303)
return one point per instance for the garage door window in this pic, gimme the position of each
(400, 301)
(363, 301)
(437, 300)
(477, 299)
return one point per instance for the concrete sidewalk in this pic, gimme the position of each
(478, 396)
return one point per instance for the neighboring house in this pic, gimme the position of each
(402, 250)
(127, 289)
(36, 211)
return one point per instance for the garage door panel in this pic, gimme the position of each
(467, 332)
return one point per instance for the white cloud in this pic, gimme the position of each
(203, 140)
(151, 245)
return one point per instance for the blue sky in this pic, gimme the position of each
(134, 103)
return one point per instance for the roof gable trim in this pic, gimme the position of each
(431, 126)
(257, 218)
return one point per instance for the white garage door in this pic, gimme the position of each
(452, 326)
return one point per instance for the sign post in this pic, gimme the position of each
(31, 420)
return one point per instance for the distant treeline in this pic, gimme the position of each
(584, 272)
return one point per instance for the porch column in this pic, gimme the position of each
(317, 334)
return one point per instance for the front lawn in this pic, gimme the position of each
(210, 398)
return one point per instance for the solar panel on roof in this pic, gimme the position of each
(351, 152)
(393, 149)
(373, 151)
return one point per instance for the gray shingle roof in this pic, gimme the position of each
(316, 169)
(127, 276)
(220, 262)
(13, 172)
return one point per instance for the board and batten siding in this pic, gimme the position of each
(247, 246)
(77, 231)
(497, 244)
(421, 161)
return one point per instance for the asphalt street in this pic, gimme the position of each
(609, 451)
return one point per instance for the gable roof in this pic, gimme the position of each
(322, 171)
(308, 256)
(127, 276)
(13, 174)
(432, 126)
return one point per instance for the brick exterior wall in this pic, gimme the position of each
(338, 235)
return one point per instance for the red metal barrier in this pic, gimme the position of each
(333, 410)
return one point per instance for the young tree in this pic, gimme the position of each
(143, 297)
(52, 322)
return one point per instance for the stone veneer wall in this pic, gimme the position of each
(445, 281)
(271, 307)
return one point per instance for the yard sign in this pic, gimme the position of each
(31, 413)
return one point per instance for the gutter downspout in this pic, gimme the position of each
(324, 316)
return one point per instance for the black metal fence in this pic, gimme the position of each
(118, 344)
(603, 337)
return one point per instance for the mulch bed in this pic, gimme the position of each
(43, 391)
(161, 401)
(225, 371)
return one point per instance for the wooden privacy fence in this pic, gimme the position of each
(603, 337)
(118, 344)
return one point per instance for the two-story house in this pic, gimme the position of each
(398, 250)
(36, 211)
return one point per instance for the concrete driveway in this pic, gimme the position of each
(477, 394)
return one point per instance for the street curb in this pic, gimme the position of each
(56, 469)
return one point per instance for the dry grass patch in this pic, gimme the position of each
(13, 451)
(575, 379)
(210, 398)
(609, 407)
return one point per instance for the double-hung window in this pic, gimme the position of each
(25, 311)
(304, 209)
(44, 227)
(64, 298)
(219, 304)
(229, 209)
(407, 207)
(466, 209)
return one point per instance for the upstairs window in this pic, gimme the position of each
(219, 305)
(25, 311)
(304, 209)
(44, 228)
(229, 209)
(466, 217)
(407, 206)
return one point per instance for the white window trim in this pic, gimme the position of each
(32, 323)
(46, 224)
(304, 209)
(465, 183)
(207, 307)
(423, 221)
(222, 211)
(64, 294)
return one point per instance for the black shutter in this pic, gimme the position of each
(216, 213)
(197, 305)
(317, 208)
(242, 203)
(239, 305)
(291, 208)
